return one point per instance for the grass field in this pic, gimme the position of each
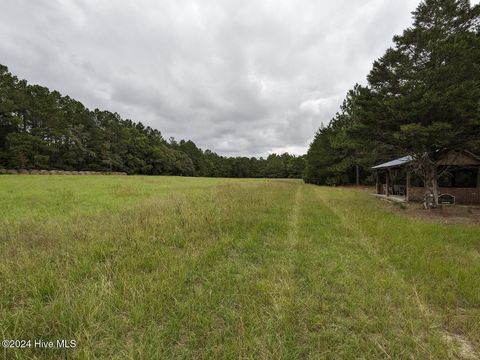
(193, 268)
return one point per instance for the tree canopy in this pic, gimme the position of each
(41, 129)
(423, 95)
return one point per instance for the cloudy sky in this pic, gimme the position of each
(238, 77)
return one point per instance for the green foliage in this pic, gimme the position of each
(40, 129)
(320, 157)
(423, 96)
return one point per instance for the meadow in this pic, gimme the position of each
(201, 268)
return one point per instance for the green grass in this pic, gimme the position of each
(193, 268)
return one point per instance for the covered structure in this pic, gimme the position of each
(460, 177)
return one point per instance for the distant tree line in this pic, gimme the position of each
(423, 95)
(41, 129)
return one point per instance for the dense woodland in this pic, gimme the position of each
(41, 129)
(423, 96)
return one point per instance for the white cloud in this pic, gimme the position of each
(240, 78)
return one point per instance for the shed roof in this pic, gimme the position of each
(393, 163)
(452, 157)
(459, 158)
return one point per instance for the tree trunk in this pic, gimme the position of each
(435, 187)
(431, 183)
(407, 187)
(357, 172)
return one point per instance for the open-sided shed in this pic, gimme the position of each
(460, 177)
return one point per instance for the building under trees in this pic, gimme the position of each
(458, 175)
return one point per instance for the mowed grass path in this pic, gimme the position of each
(191, 268)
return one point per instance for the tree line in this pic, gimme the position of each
(422, 97)
(41, 129)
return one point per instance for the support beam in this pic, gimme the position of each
(387, 180)
(407, 187)
(377, 190)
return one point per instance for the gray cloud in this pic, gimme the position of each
(240, 78)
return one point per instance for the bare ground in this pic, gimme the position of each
(449, 214)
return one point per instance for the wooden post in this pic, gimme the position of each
(407, 188)
(376, 182)
(387, 180)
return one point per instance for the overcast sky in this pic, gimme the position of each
(238, 77)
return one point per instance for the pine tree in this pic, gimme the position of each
(428, 85)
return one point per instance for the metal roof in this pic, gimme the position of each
(393, 163)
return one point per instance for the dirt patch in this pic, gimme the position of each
(464, 347)
(450, 214)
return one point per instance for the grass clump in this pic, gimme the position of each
(165, 267)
